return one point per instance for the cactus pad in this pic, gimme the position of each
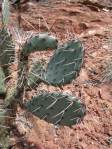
(57, 108)
(65, 64)
(5, 12)
(39, 43)
(7, 51)
(2, 115)
(2, 84)
(36, 74)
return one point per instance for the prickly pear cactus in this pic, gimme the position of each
(4, 138)
(2, 84)
(2, 115)
(57, 108)
(5, 12)
(65, 64)
(39, 43)
(7, 51)
(36, 74)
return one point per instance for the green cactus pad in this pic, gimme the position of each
(7, 51)
(36, 74)
(39, 43)
(57, 108)
(4, 138)
(65, 64)
(5, 12)
(2, 115)
(2, 84)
